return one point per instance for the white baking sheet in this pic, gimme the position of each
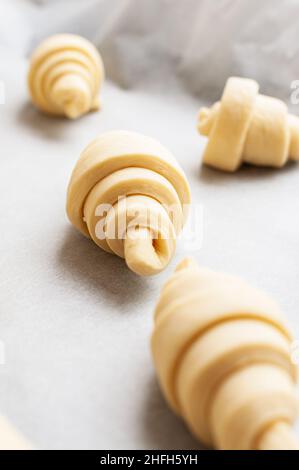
(74, 322)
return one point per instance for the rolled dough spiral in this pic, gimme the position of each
(65, 74)
(248, 127)
(142, 185)
(222, 353)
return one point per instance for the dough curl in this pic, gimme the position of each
(128, 193)
(221, 349)
(65, 75)
(246, 126)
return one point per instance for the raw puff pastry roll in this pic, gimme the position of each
(143, 186)
(248, 127)
(10, 438)
(65, 75)
(222, 353)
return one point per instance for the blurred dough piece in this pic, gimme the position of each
(221, 349)
(128, 193)
(10, 438)
(248, 127)
(65, 75)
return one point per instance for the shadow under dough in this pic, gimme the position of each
(103, 274)
(245, 174)
(49, 127)
(162, 428)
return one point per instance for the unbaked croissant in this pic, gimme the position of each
(128, 193)
(65, 75)
(248, 127)
(222, 353)
(10, 438)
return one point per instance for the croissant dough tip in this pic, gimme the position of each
(186, 263)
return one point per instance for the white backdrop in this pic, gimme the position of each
(200, 42)
(74, 321)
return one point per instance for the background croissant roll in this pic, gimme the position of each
(10, 438)
(248, 127)
(65, 75)
(128, 193)
(221, 349)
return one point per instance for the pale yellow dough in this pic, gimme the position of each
(65, 76)
(10, 438)
(246, 126)
(222, 353)
(155, 198)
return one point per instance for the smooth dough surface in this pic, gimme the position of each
(140, 182)
(10, 438)
(65, 75)
(248, 127)
(221, 349)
